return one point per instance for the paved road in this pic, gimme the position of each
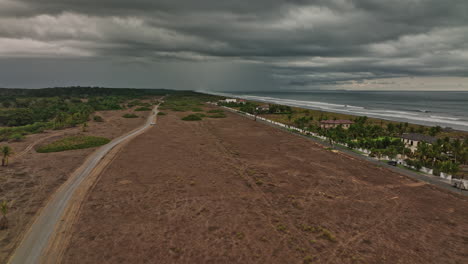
(37, 238)
(445, 184)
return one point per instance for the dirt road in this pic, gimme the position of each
(232, 190)
(34, 242)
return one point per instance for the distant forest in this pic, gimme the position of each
(26, 111)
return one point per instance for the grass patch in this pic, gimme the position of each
(326, 234)
(129, 116)
(215, 111)
(197, 109)
(161, 114)
(144, 108)
(192, 118)
(73, 142)
(281, 228)
(98, 118)
(218, 115)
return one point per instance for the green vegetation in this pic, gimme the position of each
(197, 109)
(186, 101)
(97, 118)
(215, 111)
(7, 151)
(161, 114)
(16, 137)
(73, 142)
(281, 228)
(28, 111)
(143, 108)
(192, 118)
(129, 116)
(218, 115)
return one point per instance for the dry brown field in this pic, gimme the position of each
(31, 178)
(231, 190)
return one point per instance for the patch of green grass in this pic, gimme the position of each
(308, 259)
(16, 137)
(161, 113)
(197, 109)
(240, 235)
(192, 118)
(144, 108)
(129, 116)
(73, 142)
(218, 115)
(281, 228)
(326, 234)
(98, 118)
(215, 111)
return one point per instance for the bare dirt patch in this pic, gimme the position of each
(233, 190)
(32, 177)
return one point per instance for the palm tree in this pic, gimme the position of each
(4, 210)
(7, 152)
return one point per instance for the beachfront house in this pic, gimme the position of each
(263, 108)
(412, 140)
(326, 124)
(228, 100)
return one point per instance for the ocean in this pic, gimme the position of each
(446, 109)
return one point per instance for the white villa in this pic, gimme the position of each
(412, 140)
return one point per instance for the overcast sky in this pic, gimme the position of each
(235, 45)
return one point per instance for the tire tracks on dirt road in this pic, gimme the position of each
(37, 238)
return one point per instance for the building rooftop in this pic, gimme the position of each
(337, 122)
(419, 137)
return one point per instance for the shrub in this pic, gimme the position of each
(161, 113)
(16, 137)
(130, 116)
(197, 109)
(144, 108)
(214, 111)
(73, 142)
(98, 118)
(218, 115)
(192, 118)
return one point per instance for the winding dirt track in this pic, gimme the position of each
(37, 238)
(232, 190)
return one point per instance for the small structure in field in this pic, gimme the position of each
(263, 108)
(242, 101)
(326, 124)
(228, 100)
(412, 140)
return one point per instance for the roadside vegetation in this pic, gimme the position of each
(144, 108)
(73, 142)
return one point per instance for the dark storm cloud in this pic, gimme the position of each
(301, 42)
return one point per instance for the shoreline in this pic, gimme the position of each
(381, 114)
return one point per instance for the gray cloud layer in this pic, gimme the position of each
(297, 43)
